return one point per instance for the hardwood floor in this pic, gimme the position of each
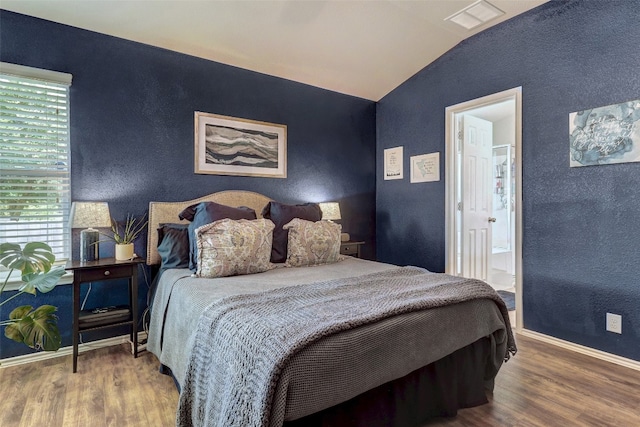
(111, 388)
(542, 385)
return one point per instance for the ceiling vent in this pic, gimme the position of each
(476, 14)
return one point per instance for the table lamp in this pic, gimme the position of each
(88, 215)
(331, 212)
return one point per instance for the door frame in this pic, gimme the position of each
(451, 183)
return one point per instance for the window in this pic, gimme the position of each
(34, 157)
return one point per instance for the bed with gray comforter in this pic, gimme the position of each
(258, 350)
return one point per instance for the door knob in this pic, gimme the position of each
(492, 219)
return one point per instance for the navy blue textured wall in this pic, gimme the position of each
(132, 113)
(581, 225)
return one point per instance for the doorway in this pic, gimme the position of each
(483, 192)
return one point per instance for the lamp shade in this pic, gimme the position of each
(330, 211)
(89, 214)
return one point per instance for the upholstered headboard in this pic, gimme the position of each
(167, 212)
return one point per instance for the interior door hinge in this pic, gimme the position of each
(460, 206)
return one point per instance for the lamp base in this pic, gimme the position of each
(344, 237)
(89, 245)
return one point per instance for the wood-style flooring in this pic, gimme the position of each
(543, 385)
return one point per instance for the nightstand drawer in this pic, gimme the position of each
(110, 272)
(349, 249)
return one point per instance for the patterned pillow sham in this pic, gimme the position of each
(312, 243)
(205, 213)
(232, 247)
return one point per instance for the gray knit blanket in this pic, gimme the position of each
(244, 342)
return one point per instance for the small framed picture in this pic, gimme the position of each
(393, 159)
(425, 168)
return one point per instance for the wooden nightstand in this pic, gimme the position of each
(99, 270)
(351, 248)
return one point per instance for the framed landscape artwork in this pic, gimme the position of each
(605, 135)
(232, 146)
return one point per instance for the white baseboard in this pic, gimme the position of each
(598, 354)
(66, 351)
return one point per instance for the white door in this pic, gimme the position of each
(477, 202)
(455, 173)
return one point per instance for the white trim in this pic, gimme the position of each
(67, 351)
(35, 73)
(588, 351)
(450, 175)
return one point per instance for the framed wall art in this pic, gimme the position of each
(233, 146)
(425, 168)
(393, 163)
(605, 135)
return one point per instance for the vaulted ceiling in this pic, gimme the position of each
(363, 48)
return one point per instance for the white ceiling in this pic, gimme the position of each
(364, 48)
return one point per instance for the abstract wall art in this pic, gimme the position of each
(232, 146)
(605, 135)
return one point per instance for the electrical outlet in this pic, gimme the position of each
(614, 323)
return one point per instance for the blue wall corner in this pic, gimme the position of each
(580, 225)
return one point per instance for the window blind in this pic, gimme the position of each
(34, 157)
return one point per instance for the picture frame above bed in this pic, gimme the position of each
(234, 146)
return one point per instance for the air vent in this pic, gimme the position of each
(476, 14)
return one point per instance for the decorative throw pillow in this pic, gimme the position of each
(281, 214)
(173, 245)
(312, 243)
(206, 213)
(228, 247)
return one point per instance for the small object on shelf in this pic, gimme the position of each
(103, 316)
(124, 236)
(89, 244)
(124, 251)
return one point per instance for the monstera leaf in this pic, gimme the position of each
(36, 328)
(33, 258)
(44, 282)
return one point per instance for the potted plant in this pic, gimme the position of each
(124, 236)
(37, 328)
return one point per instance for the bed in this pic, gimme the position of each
(352, 342)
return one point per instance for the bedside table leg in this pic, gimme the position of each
(133, 294)
(76, 314)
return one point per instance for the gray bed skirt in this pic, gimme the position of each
(457, 381)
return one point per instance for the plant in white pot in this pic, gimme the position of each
(125, 235)
(35, 327)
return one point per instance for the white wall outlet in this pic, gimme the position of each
(614, 323)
